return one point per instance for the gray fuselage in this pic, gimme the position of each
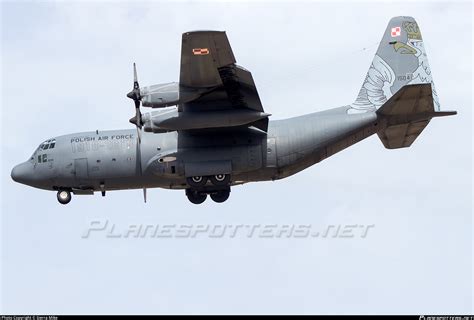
(108, 160)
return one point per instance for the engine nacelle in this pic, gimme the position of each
(160, 95)
(168, 94)
(172, 120)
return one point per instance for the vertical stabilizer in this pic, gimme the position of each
(400, 60)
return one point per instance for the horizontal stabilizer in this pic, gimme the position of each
(406, 114)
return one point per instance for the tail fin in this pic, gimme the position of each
(399, 85)
(400, 60)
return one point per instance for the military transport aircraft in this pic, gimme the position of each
(210, 130)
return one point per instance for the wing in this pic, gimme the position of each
(213, 92)
(202, 53)
(208, 65)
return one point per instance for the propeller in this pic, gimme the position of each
(137, 121)
(136, 97)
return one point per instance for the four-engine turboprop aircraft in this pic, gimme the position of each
(210, 130)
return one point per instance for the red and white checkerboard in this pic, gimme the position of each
(200, 51)
(396, 31)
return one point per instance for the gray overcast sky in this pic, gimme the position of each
(67, 67)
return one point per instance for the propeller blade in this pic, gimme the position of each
(135, 77)
(139, 134)
(137, 121)
(136, 86)
(138, 114)
(136, 97)
(139, 159)
(135, 93)
(139, 153)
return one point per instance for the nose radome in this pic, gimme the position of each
(21, 173)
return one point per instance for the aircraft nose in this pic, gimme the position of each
(22, 173)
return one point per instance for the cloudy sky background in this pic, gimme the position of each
(66, 67)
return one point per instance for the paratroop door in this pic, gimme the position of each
(80, 168)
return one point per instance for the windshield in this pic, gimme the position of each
(48, 144)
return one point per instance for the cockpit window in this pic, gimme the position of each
(42, 157)
(49, 144)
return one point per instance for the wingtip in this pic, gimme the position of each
(187, 33)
